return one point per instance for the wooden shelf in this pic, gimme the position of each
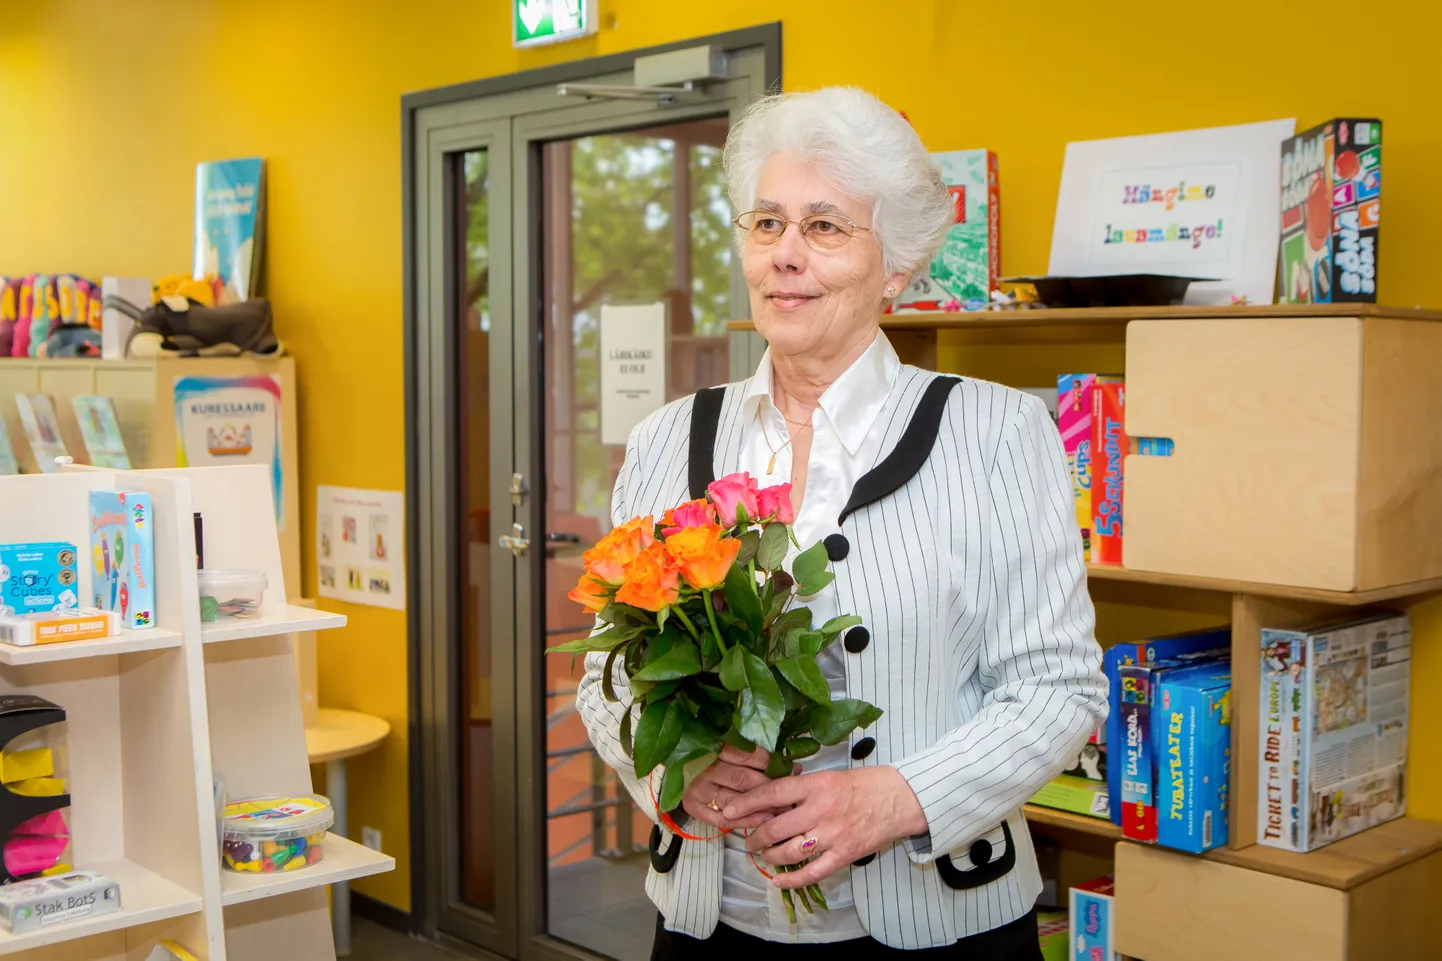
(125, 642)
(144, 897)
(344, 861)
(1066, 820)
(1115, 572)
(1347, 863)
(287, 620)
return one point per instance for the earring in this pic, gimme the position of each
(891, 291)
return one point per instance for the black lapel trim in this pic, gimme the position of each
(959, 880)
(705, 418)
(910, 452)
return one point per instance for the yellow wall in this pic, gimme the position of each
(106, 107)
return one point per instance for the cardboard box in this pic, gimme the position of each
(1079, 795)
(30, 905)
(1333, 742)
(965, 270)
(1109, 449)
(1194, 753)
(53, 627)
(1092, 921)
(38, 577)
(122, 547)
(1075, 406)
(1331, 213)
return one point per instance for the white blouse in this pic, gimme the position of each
(843, 448)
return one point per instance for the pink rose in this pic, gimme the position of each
(697, 513)
(735, 497)
(775, 503)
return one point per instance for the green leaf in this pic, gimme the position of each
(772, 551)
(800, 747)
(761, 708)
(734, 738)
(797, 617)
(661, 618)
(833, 723)
(836, 625)
(608, 684)
(741, 599)
(794, 699)
(733, 669)
(656, 692)
(695, 737)
(778, 766)
(750, 544)
(624, 614)
(810, 562)
(626, 745)
(811, 643)
(604, 641)
(674, 784)
(815, 584)
(682, 660)
(689, 703)
(718, 694)
(657, 734)
(802, 672)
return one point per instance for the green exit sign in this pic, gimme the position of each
(549, 21)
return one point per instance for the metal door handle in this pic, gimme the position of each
(516, 541)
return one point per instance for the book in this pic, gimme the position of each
(1331, 213)
(122, 548)
(1213, 643)
(1332, 751)
(1194, 753)
(100, 430)
(230, 226)
(8, 464)
(42, 430)
(966, 268)
(1078, 795)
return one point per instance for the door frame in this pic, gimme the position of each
(432, 544)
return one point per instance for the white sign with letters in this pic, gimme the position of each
(1196, 203)
(633, 366)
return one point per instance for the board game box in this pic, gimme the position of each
(965, 270)
(1331, 213)
(1075, 408)
(1194, 754)
(1093, 936)
(122, 549)
(1110, 446)
(1332, 751)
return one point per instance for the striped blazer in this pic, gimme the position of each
(960, 552)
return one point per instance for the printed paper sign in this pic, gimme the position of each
(231, 420)
(42, 430)
(100, 429)
(360, 546)
(1197, 203)
(633, 367)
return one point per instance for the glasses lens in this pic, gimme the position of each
(761, 226)
(825, 232)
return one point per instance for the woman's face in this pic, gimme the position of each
(805, 300)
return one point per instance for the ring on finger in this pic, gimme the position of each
(712, 803)
(809, 844)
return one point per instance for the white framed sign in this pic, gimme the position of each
(1195, 203)
(633, 366)
(360, 541)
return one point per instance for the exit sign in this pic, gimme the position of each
(535, 22)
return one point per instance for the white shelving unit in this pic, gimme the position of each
(152, 717)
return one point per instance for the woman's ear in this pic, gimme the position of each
(895, 284)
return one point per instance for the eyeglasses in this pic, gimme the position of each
(821, 231)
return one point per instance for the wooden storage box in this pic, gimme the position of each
(1299, 460)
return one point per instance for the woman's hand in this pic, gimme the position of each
(734, 773)
(844, 815)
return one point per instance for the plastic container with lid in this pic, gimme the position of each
(269, 834)
(231, 594)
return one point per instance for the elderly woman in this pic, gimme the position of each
(946, 510)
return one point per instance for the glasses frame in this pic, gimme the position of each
(800, 225)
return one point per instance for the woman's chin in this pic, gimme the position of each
(787, 334)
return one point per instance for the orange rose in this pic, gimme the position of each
(703, 555)
(591, 594)
(608, 559)
(652, 581)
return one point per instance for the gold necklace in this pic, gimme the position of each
(775, 451)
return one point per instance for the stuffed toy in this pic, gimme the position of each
(46, 312)
(71, 340)
(24, 314)
(183, 328)
(9, 312)
(180, 285)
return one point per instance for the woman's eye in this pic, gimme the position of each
(824, 227)
(768, 224)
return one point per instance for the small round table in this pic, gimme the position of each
(336, 736)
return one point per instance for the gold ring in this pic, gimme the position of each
(808, 844)
(712, 803)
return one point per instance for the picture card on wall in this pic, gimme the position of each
(360, 539)
(1195, 203)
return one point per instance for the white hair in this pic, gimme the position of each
(864, 148)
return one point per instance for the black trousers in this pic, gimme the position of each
(1017, 941)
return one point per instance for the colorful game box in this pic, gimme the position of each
(1194, 755)
(38, 577)
(1331, 213)
(1333, 738)
(1075, 403)
(51, 627)
(964, 271)
(122, 548)
(1053, 929)
(1079, 795)
(1092, 921)
(1109, 448)
(1212, 644)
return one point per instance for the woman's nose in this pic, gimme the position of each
(790, 251)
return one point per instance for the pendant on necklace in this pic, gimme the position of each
(771, 465)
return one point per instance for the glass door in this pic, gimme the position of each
(527, 212)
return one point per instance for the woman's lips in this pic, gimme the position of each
(789, 300)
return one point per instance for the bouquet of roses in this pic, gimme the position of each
(704, 618)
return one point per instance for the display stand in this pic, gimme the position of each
(153, 716)
(1303, 486)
